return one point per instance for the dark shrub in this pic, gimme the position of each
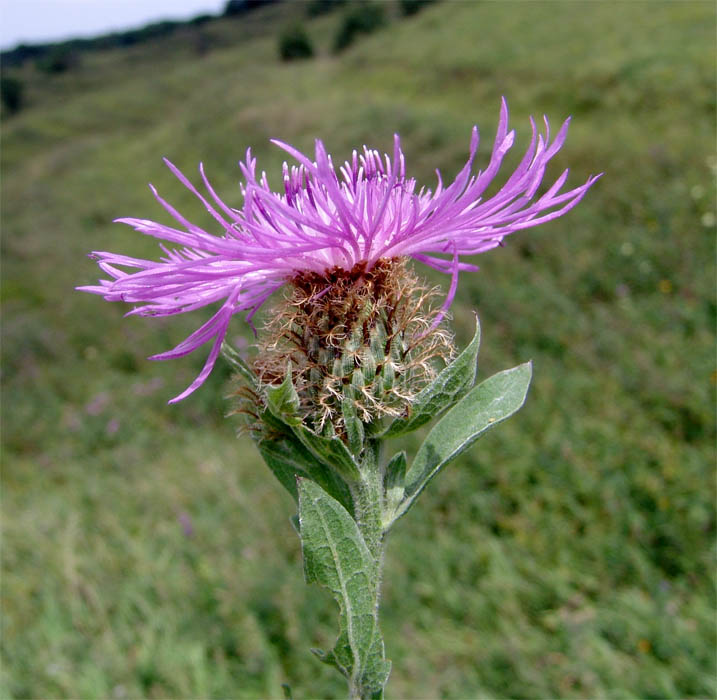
(321, 7)
(129, 38)
(199, 20)
(238, 7)
(235, 7)
(11, 94)
(295, 43)
(58, 60)
(360, 18)
(411, 7)
(21, 53)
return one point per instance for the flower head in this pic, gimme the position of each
(324, 221)
(358, 344)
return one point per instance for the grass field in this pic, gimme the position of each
(148, 554)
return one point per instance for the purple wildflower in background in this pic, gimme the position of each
(322, 221)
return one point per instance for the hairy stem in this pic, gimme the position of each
(368, 499)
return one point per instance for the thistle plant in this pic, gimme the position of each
(355, 349)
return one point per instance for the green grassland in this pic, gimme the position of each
(568, 555)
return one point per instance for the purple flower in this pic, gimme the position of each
(368, 211)
(186, 522)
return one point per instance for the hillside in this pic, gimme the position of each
(148, 553)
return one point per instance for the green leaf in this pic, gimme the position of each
(236, 361)
(283, 401)
(443, 392)
(394, 482)
(283, 450)
(354, 427)
(336, 556)
(274, 425)
(288, 459)
(330, 451)
(484, 407)
(283, 405)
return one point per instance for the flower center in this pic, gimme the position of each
(358, 340)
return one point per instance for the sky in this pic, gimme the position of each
(38, 21)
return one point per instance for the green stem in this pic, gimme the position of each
(368, 499)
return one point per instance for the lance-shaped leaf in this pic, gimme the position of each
(283, 404)
(394, 484)
(336, 556)
(449, 386)
(283, 401)
(484, 407)
(239, 365)
(282, 451)
(330, 451)
(288, 459)
(355, 432)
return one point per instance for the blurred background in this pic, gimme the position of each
(147, 553)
